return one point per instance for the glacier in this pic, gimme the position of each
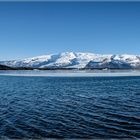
(78, 60)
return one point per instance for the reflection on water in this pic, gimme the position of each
(74, 73)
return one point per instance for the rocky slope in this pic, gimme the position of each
(3, 67)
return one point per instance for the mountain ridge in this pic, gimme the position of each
(78, 60)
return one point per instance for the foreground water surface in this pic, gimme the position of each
(69, 107)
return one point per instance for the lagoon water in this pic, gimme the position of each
(37, 106)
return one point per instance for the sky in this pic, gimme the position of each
(30, 29)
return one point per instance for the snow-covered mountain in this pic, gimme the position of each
(78, 60)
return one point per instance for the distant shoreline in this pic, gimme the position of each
(4, 67)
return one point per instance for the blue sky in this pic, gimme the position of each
(35, 28)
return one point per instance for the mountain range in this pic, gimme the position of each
(73, 60)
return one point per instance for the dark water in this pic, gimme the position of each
(68, 107)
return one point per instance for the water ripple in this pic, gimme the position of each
(69, 107)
